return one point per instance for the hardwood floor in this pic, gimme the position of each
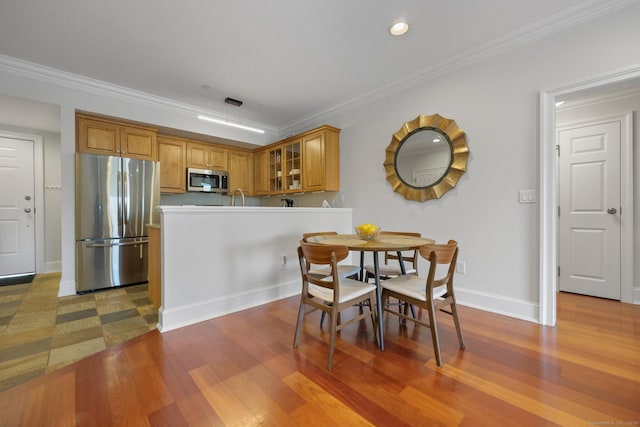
(241, 369)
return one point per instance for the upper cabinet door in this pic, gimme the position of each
(204, 156)
(314, 163)
(218, 158)
(321, 160)
(241, 171)
(97, 137)
(173, 169)
(138, 143)
(292, 166)
(261, 173)
(112, 138)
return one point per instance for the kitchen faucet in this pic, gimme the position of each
(233, 196)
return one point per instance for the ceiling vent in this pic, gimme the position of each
(233, 102)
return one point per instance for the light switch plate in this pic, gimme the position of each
(527, 196)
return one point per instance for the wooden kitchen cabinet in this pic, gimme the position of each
(321, 160)
(307, 162)
(275, 168)
(207, 156)
(172, 154)
(241, 171)
(261, 173)
(113, 138)
(284, 167)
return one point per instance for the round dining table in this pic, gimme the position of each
(382, 243)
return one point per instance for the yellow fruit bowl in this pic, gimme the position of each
(367, 231)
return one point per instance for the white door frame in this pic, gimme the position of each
(38, 182)
(549, 198)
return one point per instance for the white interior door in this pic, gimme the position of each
(589, 202)
(17, 208)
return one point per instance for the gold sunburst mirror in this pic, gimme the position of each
(426, 157)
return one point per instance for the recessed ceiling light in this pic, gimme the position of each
(399, 28)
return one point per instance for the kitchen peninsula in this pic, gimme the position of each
(218, 260)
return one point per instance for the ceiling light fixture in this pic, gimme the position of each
(226, 123)
(399, 28)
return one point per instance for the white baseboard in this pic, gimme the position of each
(210, 309)
(636, 295)
(520, 309)
(53, 267)
(205, 310)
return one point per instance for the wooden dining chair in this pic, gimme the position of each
(344, 270)
(432, 294)
(391, 266)
(331, 294)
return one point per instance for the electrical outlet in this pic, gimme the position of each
(461, 267)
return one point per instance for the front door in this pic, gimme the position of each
(589, 208)
(17, 225)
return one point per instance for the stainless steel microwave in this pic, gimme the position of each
(207, 181)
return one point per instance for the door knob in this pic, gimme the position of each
(612, 211)
(27, 210)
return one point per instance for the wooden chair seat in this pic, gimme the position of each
(412, 286)
(349, 289)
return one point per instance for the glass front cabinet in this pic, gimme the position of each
(285, 163)
(309, 162)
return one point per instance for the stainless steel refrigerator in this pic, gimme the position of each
(116, 198)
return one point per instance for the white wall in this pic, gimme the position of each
(495, 102)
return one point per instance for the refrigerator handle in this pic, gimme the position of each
(125, 202)
(120, 217)
(110, 245)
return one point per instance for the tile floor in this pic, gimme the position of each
(40, 332)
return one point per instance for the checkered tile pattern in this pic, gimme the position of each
(40, 332)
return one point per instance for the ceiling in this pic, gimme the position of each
(287, 60)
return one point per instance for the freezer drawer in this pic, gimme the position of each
(107, 263)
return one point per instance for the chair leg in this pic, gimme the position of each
(456, 321)
(434, 335)
(296, 336)
(374, 321)
(332, 336)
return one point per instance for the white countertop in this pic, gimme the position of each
(247, 209)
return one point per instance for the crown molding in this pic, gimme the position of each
(577, 14)
(610, 96)
(86, 84)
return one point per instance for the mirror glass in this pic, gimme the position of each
(423, 157)
(426, 157)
